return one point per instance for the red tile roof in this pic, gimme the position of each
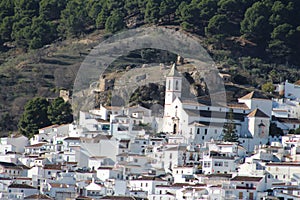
(246, 178)
(257, 113)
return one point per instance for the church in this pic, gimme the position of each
(199, 122)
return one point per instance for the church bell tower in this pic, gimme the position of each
(173, 90)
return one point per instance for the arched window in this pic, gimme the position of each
(176, 86)
(169, 85)
(175, 129)
(198, 131)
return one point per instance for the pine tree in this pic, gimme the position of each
(34, 117)
(229, 129)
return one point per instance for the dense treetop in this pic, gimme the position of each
(271, 26)
(39, 113)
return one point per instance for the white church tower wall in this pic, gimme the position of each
(173, 90)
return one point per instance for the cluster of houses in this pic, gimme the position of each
(130, 153)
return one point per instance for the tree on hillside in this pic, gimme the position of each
(219, 27)
(40, 113)
(43, 32)
(168, 7)
(255, 24)
(6, 20)
(188, 15)
(94, 8)
(268, 87)
(102, 17)
(282, 41)
(229, 134)
(152, 11)
(60, 112)
(231, 8)
(51, 9)
(131, 6)
(74, 18)
(115, 22)
(34, 117)
(207, 8)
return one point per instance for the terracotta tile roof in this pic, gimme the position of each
(36, 145)
(38, 196)
(5, 179)
(257, 113)
(105, 168)
(254, 95)
(297, 82)
(288, 120)
(72, 138)
(291, 164)
(7, 164)
(238, 105)
(52, 167)
(219, 175)
(25, 186)
(47, 127)
(181, 185)
(246, 178)
(23, 178)
(83, 198)
(148, 178)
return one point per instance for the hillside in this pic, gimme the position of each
(42, 43)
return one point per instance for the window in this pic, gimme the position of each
(49, 172)
(202, 137)
(135, 160)
(170, 155)
(216, 131)
(169, 85)
(225, 164)
(240, 195)
(205, 131)
(176, 86)
(198, 131)
(251, 196)
(218, 163)
(206, 164)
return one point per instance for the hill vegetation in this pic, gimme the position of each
(271, 27)
(42, 42)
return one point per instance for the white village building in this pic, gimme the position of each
(201, 122)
